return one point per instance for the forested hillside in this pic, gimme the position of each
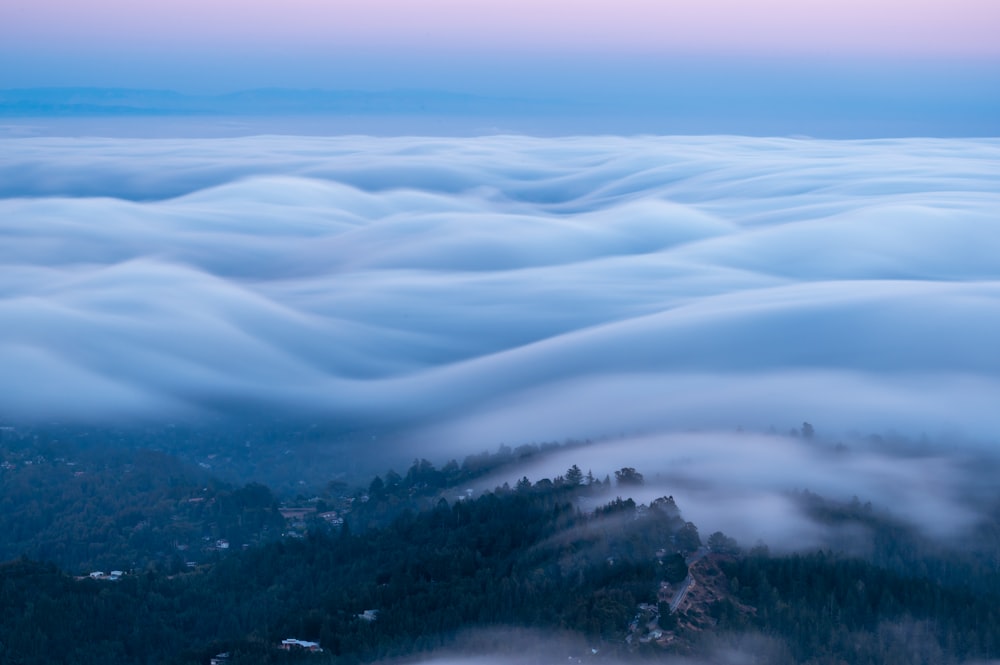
(412, 564)
(89, 510)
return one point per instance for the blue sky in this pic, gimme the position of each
(772, 67)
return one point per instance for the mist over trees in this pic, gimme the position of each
(431, 560)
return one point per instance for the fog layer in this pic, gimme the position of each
(504, 288)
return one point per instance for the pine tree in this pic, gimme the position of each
(574, 476)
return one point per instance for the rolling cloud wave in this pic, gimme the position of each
(507, 287)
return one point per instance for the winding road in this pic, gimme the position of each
(688, 581)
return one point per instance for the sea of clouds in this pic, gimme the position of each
(462, 292)
(509, 287)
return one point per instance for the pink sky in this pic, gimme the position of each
(824, 27)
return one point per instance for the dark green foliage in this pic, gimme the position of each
(88, 510)
(509, 558)
(435, 561)
(720, 543)
(674, 568)
(687, 538)
(574, 476)
(628, 477)
(667, 620)
(619, 505)
(831, 609)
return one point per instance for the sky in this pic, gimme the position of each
(768, 67)
(934, 28)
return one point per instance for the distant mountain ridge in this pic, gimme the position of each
(67, 102)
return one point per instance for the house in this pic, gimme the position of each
(296, 514)
(219, 659)
(114, 575)
(292, 644)
(369, 615)
(332, 518)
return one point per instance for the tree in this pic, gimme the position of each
(627, 476)
(807, 431)
(392, 480)
(667, 620)
(574, 476)
(675, 569)
(723, 544)
(687, 538)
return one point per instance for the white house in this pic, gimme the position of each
(293, 644)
